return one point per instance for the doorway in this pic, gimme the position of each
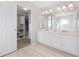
(23, 17)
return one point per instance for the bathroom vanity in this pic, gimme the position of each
(68, 42)
(62, 32)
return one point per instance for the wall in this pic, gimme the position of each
(35, 18)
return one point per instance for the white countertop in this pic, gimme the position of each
(59, 32)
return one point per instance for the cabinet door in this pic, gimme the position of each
(69, 44)
(11, 27)
(56, 41)
(44, 38)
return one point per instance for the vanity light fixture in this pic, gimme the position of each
(58, 8)
(25, 9)
(46, 12)
(70, 5)
(63, 7)
(50, 11)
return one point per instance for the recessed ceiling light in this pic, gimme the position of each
(25, 8)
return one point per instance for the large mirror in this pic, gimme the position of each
(66, 22)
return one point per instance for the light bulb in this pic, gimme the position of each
(46, 12)
(63, 7)
(70, 5)
(58, 8)
(50, 11)
(25, 8)
(43, 13)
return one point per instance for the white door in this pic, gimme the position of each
(0, 29)
(11, 27)
(8, 25)
(4, 28)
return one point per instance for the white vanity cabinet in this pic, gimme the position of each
(62, 32)
(62, 41)
(69, 44)
(44, 38)
(50, 39)
(55, 40)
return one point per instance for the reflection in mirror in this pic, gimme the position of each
(66, 23)
(49, 22)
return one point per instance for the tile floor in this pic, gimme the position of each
(38, 50)
(23, 43)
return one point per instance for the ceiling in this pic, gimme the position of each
(43, 4)
(52, 4)
(21, 11)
